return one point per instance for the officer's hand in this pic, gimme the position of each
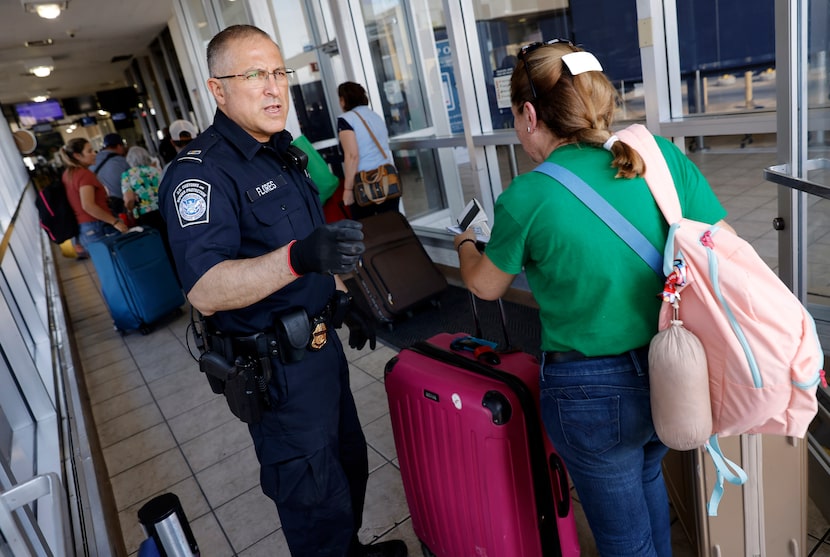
(361, 328)
(332, 248)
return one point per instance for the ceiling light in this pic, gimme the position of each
(40, 98)
(47, 9)
(40, 67)
(41, 71)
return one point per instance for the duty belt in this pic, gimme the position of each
(293, 332)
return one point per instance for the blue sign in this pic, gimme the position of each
(448, 85)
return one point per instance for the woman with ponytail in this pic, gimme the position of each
(598, 302)
(86, 194)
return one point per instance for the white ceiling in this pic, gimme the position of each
(86, 37)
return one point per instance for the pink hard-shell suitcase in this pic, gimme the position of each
(480, 475)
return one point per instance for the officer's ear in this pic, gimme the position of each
(217, 89)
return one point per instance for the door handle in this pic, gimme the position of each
(780, 174)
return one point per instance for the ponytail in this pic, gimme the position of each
(627, 160)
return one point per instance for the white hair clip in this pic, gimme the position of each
(610, 142)
(581, 62)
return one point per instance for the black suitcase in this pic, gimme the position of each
(395, 273)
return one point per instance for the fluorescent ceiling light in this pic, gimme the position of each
(40, 67)
(48, 11)
(41, 71)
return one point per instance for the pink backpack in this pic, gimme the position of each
(763, 352)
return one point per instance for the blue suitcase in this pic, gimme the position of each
(137, 279)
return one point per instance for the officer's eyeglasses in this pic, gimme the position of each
(259, 78)
(527, 49)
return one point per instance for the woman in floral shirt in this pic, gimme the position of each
(140, 186)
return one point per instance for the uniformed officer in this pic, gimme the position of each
(254, 253)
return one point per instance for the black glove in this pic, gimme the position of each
(361, 328)
(332, 248)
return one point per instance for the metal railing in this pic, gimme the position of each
(18, 523)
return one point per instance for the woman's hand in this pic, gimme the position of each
(348, 197)
(130, 199)
(120, 226)
(479, 274)
(468, 234)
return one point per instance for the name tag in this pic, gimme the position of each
(262, 190)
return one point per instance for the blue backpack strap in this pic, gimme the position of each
(722, 467)
(605, 211)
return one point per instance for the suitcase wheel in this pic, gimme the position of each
(426, 551)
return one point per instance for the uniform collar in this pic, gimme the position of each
(243, 141)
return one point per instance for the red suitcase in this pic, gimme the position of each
(480, 475)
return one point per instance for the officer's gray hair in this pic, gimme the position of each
(218, 44)
(138, 156)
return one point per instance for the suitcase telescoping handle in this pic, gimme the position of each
(506, 346)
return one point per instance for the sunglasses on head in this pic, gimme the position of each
(527, 49)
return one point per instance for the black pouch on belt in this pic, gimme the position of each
(293, 333)
(244, 392)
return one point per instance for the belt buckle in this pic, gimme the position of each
(319, 334)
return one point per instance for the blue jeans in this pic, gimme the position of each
(598, 415)
(94, 231)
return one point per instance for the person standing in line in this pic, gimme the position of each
(110, 164)
(140, 187)
(260, 264)
(355, 129)
(182, 132)
(166, 149)
(86, 194)
(597, 298)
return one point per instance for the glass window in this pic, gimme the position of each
(312, 59)
(419, 174)
(396, 66)
(199, 21)
(231, 12)
(727, 56)
(611, 35)
(818, 211)
(294, 33)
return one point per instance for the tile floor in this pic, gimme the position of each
(161, 428)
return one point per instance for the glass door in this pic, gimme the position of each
(802, 44)
(803, 121)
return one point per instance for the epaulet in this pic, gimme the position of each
(197, 150)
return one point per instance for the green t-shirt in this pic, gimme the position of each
(595, 294)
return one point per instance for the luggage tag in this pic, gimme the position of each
(483, 350)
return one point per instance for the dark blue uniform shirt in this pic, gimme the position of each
(227, 196)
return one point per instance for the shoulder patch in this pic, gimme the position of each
(192, 199)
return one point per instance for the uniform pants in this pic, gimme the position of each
(313, 454)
